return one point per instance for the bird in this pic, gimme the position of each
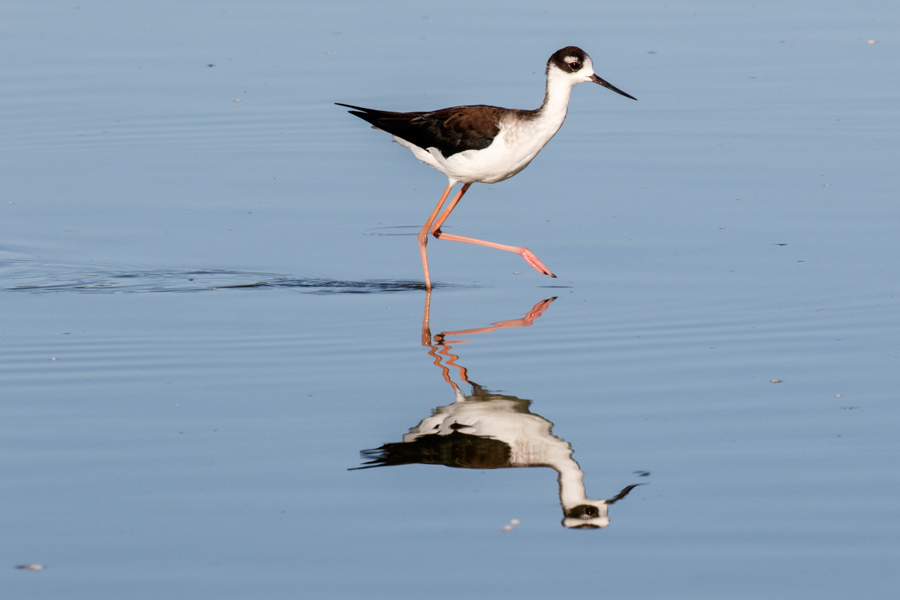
(485, 144)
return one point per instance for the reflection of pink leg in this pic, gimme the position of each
(439, 350)
(426, 320)
(525, 253)
(536, 311)
(526, 321)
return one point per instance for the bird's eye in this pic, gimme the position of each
(575, 65)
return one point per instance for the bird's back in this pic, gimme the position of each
(449, 130)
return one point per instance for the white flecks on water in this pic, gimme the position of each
(511, 525)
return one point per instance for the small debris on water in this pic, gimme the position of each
(511, 525)
(774, 381)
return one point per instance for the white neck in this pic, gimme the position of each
(571, 481)
(556, 99)
(543, 448)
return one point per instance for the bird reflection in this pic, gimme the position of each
(487, 430)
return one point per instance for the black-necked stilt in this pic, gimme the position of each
(483, 143)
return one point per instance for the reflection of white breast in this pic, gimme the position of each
(529, 436)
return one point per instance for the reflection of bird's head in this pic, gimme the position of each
(593, 514)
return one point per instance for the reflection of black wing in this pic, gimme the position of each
(458, 449)
(450, 130)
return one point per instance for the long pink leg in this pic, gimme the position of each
(423, 234)
(525, 253)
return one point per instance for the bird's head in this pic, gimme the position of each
(575, 66)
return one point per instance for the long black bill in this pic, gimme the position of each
(606, 84)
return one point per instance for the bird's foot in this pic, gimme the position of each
(535, 262)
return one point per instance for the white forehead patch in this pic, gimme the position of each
(588, 64)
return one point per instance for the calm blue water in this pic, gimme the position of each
(211, 304)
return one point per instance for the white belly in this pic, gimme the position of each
(510, 152)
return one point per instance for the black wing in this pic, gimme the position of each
(450, 130)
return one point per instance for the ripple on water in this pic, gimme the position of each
(96, 278)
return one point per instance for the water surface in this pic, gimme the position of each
(212, 304)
